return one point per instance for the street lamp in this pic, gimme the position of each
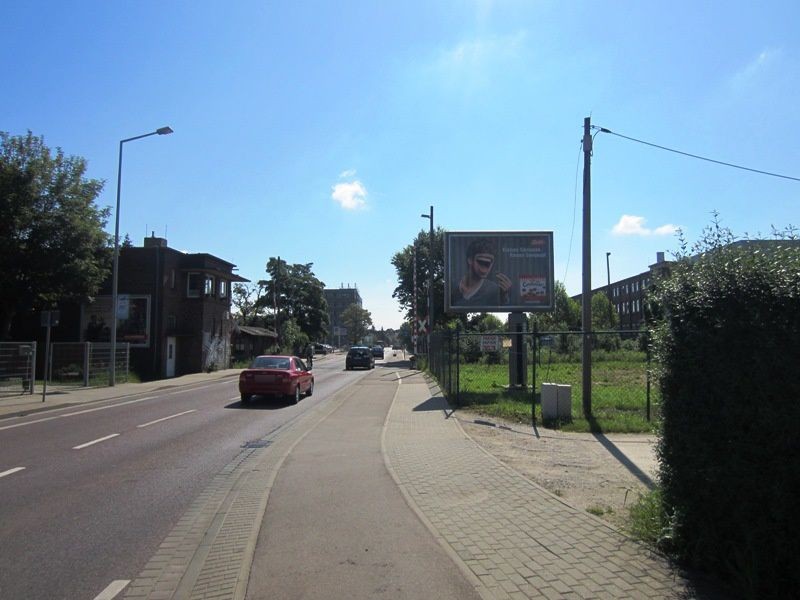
(112, 377)
(430, 282)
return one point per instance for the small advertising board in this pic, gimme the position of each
(494, 271)
(490, 343)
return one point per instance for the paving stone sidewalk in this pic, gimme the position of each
(519, 540)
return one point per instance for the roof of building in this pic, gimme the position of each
(255, 331)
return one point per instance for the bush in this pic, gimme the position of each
(727, 344)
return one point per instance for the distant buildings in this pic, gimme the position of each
(338, 300)
(628, 295)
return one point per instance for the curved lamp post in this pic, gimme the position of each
(430, 282)
(112, 376)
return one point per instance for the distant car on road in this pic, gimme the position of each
(377, 351)
(272, 375)
(320, 348)
(359, 356)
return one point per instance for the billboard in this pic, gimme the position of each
(133, 326)
(498, 271)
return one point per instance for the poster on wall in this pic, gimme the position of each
(134, 329)
(494, 271)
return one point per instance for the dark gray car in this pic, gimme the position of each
(359, 356)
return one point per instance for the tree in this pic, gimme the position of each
(403, 262)
(565, 317)
(604, 317)
(293, 340)
(246, 298)
(297, 294)
(485, 323)
(357, 320)
(52, 243)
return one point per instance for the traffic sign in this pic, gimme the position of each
(423, 325)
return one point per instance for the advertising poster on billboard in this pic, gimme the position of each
(494, 271)
(134, 328)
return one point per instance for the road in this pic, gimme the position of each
(88, 494)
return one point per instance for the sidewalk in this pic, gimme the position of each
(514, 537)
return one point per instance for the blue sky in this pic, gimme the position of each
(320, 131)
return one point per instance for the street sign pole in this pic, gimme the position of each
(49, 319)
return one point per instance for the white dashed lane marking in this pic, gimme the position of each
(114, 588)
(186, 412)
(97, 441)
(11, 471)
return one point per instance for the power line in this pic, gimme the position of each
(719, 162)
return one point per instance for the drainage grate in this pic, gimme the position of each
(257, 444)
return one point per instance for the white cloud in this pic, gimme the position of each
(668, 229)
(477, 55)
(347, 174)
(350, 196)
(755, 67)
(633, 225)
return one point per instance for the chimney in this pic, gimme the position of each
(659, 257)
(154, 242)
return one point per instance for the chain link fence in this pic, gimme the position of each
(518, 374)
(86, 363)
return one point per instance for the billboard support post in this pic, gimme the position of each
(516, 365)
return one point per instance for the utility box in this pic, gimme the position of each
(556, 401)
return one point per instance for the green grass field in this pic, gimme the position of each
(619, 393)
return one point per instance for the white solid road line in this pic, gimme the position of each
(97, 441)
(80, 412)
(114, 588)
(186, 412)
(88, 410)
(11, 471)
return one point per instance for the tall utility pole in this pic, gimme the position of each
(430, 281)
(586, 292)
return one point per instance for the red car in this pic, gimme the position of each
(276, 376)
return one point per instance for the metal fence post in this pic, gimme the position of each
(533, 375)
(458, 366)
(87, 351)
(647, 345)
(127, 361)
(33, 366)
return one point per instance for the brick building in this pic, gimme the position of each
(338, 300)
(177, 309)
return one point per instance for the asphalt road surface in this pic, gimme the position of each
(92, 491)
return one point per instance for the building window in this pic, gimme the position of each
(172, 321)
(172, 279)
(208, 288)
(194, 284)
(223, 288)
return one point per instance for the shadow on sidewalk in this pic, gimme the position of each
(433, 403)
